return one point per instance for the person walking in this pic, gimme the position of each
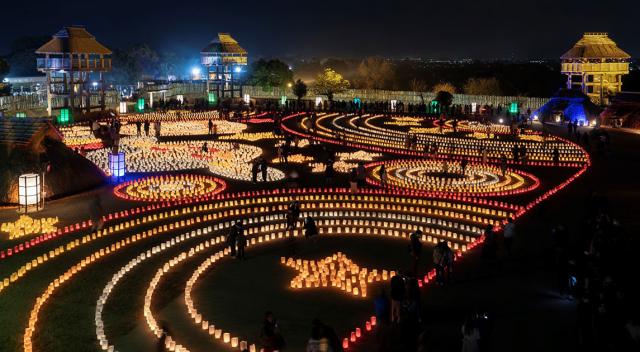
(489, 249)
(232, 237)
(484, 155)
(361, 174)
(470, 335)
(210, 126)
(271, 339)
(353, 181)
(255, 166)
(329, 172)
(381, 307)
(556, 156)
(146, 127)
(263, 169)
(96, 212)
(415, 249)
(516, 153)
(397, 297)
(509, 235)
(440, 260)
(138, 128)
(383, 175)
(241, 243)
(503, 164)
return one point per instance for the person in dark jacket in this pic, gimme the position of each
(310, 229)
(232, 237)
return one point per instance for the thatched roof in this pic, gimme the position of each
(75, 40)
(595, 46)
(224, 44)
(16, 131)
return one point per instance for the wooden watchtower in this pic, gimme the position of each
(224, 60)
(595, 65)
(74, 62)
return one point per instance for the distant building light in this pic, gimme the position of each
(238, 69)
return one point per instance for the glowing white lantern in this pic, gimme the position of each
(318, 101)
(247, 98)
(393, 105)
(123, 107)
(29, 191)
(474, 106)
(180, 98)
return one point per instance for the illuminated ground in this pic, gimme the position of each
(67, 320)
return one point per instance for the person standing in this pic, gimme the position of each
(310, 229)
(556, 156)
(361, 174)
(489, 249)
(329, 172)
(383, 175)
(241, 243)
(463, 166)
(146, 127)
(509, 235)
(516, 153)
(210, 126)
(397, 297)
(293, 214)
(255, 166)
(440, 258)
(415, 248)
(470, 336)
(232, 237)
(503, 164)
(263, 169)
(138, 128)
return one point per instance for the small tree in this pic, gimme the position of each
(444, 98)
(329, 83)
(299, 89)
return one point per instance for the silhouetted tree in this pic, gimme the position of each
(299, 89)
(444, 98)
(270, 73)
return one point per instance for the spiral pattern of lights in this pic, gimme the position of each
(169, 187)
(443, 176)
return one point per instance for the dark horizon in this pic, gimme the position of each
(464, 30)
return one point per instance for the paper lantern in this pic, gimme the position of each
(29, 191)
(123, 107)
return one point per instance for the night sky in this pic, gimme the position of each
(392, 28)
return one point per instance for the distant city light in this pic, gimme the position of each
(238, 69)
(535, 117)
(95, 84)
(501, 120)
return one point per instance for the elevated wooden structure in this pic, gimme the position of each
(74, 62)
(224, 60)
(595, 65)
